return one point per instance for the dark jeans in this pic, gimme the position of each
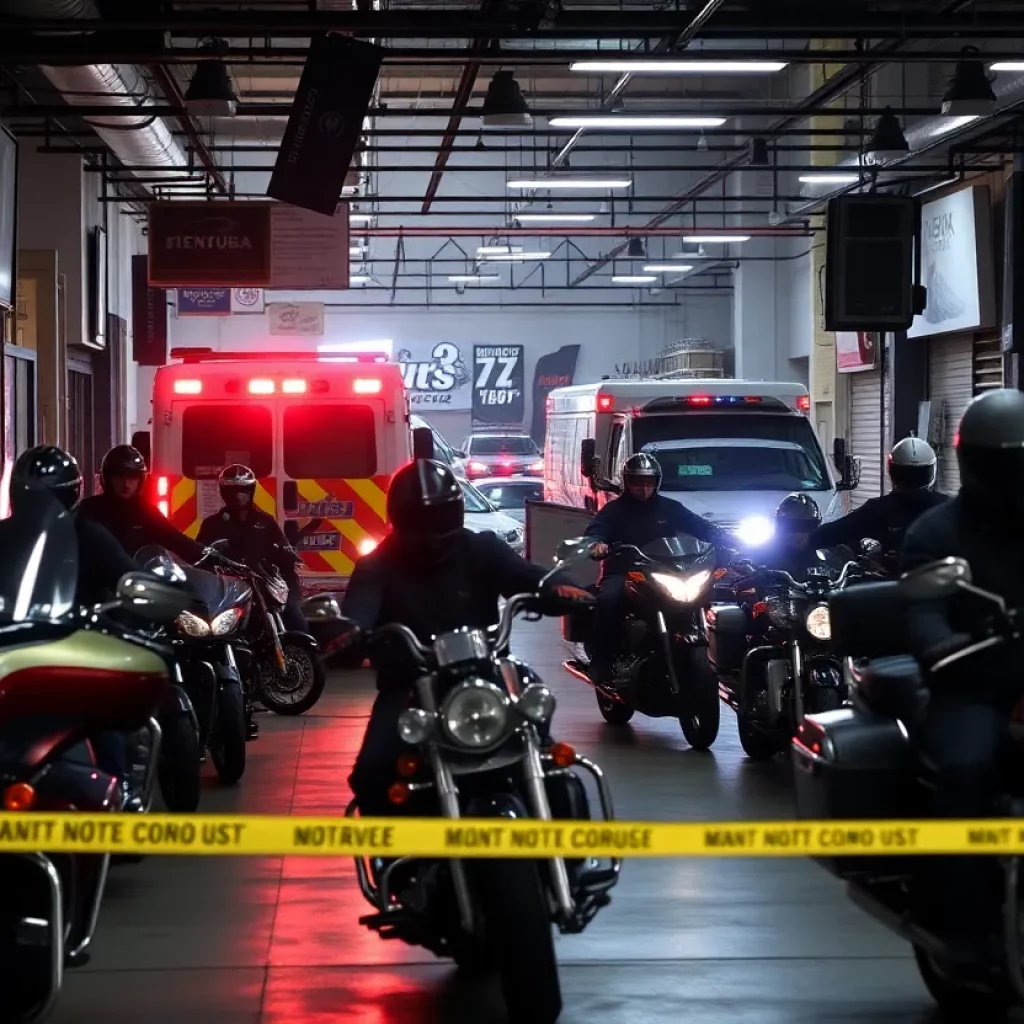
(111, 750)
(375, 767)
(291, 614)
(608, 613)
(965, 737)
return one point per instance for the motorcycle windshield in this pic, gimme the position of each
(677, 549)
(215, 593)
(39, 567)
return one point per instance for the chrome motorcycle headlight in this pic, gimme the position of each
(684, 589)
(475, 714)
(226, 621)
(191, 625)
(818, 623)
(536, 704)
(415, 726)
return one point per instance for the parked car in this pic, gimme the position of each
(481, 515)
(443, 451)
(488, 455)
(510, 495)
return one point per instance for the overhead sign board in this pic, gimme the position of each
(296, 319)
(204, 302)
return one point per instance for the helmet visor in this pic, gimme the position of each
(912, 478)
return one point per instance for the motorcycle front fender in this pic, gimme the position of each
(297, 639)
(176, 701)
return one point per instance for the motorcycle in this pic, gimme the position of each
(859, 763)
(663, 670)
(208, 639)
(66, 675)
(774, 660)
(479, 726)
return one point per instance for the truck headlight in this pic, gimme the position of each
(818, 623)
(475, 714)
(684, 589)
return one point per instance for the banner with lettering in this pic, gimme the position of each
(555, 370)
(498, 380)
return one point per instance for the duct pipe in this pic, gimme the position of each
(137, 140)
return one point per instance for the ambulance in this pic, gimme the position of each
(323, 434)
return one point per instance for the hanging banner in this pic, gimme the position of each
(498, 385)
(326, 120)
(296, 319)
(215, 243)
(856, 351)
(555, 370)
(149, 317)
(247, 300)
(308, 250)
(436, 376)
(204, 302)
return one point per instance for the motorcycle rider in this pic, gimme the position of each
(912, 469)
(123, 509)
(966, 723)
(432, 575)
(253, 536)
(638, 516)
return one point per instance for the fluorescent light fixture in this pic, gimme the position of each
(667, 268)
(636, 121)
(472, 278)
(356, 252)
(633, 278)
(359, 279)
(952, 124)
(828, 178)
(543, 218)
(1007, 65)
(571, 183)
(516, 257)
(497, 250)
(360, 218)
(715, 239)
(679, 67)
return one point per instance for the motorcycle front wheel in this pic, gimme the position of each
(299, 687)
(700, 709)
(757, 745)
(228, 739)
(960, 998)
(181, 765)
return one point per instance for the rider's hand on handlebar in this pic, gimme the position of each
(599, 550)
(949, 645)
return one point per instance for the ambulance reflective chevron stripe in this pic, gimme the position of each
(191, 502)
(342, 539)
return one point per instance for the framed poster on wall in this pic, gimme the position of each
(498, 380)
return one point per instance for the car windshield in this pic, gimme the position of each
(502, 446)
(39, 571)
(730, 466)
(513, 495)
(475, 501)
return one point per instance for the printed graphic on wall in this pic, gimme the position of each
(204, 302)
(436, 376)
(856, 351)
(498, 381)
(555, 370)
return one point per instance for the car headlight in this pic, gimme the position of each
(475, 714)
(191, 625)
(818, 623)
(226, 621)
(536, 703)
(514, 536)
(684, 589)
(415, 726)
(754, 531)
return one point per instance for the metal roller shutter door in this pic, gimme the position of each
(950, 378)
(866, 433)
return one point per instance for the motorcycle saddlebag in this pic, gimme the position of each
(727, 637)
(851, 764)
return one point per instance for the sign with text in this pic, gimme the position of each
(149, 317)
(308, 250)
(554, 370)
(325, 122)
(247, 300)
(498, 385)
(213, 243)
(436, 376)
(296, 319)
(204, 302)
(856, 351)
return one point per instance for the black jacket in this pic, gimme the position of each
(431, 598)
(885, 519)
(136, 523)
(624, 520)
(257, 538)
(101, 562)
(994, 548)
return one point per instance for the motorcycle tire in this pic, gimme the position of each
(227, 743)
(960, 999)
(517, 925)
(181, 765)
(700, 711)
(276, 694)
(614, 712)
(757, 745)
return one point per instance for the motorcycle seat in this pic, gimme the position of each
(891, 686)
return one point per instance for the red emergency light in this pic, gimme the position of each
(699, 399)
(261, 386)
(294, 387)
(366, 386)
(803, 403)
(605, 403)
(188, 387)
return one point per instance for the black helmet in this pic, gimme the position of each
(123, 460)
(912, 465)
(51, 467)
(990, 449)
(641, 468)
(797, 514)
(425, 503)
(237, 484)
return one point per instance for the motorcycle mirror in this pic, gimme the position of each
(869, 547)
(573, 548)
(219, 545)
(150, 597)
(936, 580)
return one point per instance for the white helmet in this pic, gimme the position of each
(912, 465)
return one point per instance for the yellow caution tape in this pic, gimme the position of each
(277, 836)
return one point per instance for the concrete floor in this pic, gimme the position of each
(276, 941)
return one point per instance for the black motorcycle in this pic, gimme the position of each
(772, 652)
(663, 669)
(479, 723)
(860, 763)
